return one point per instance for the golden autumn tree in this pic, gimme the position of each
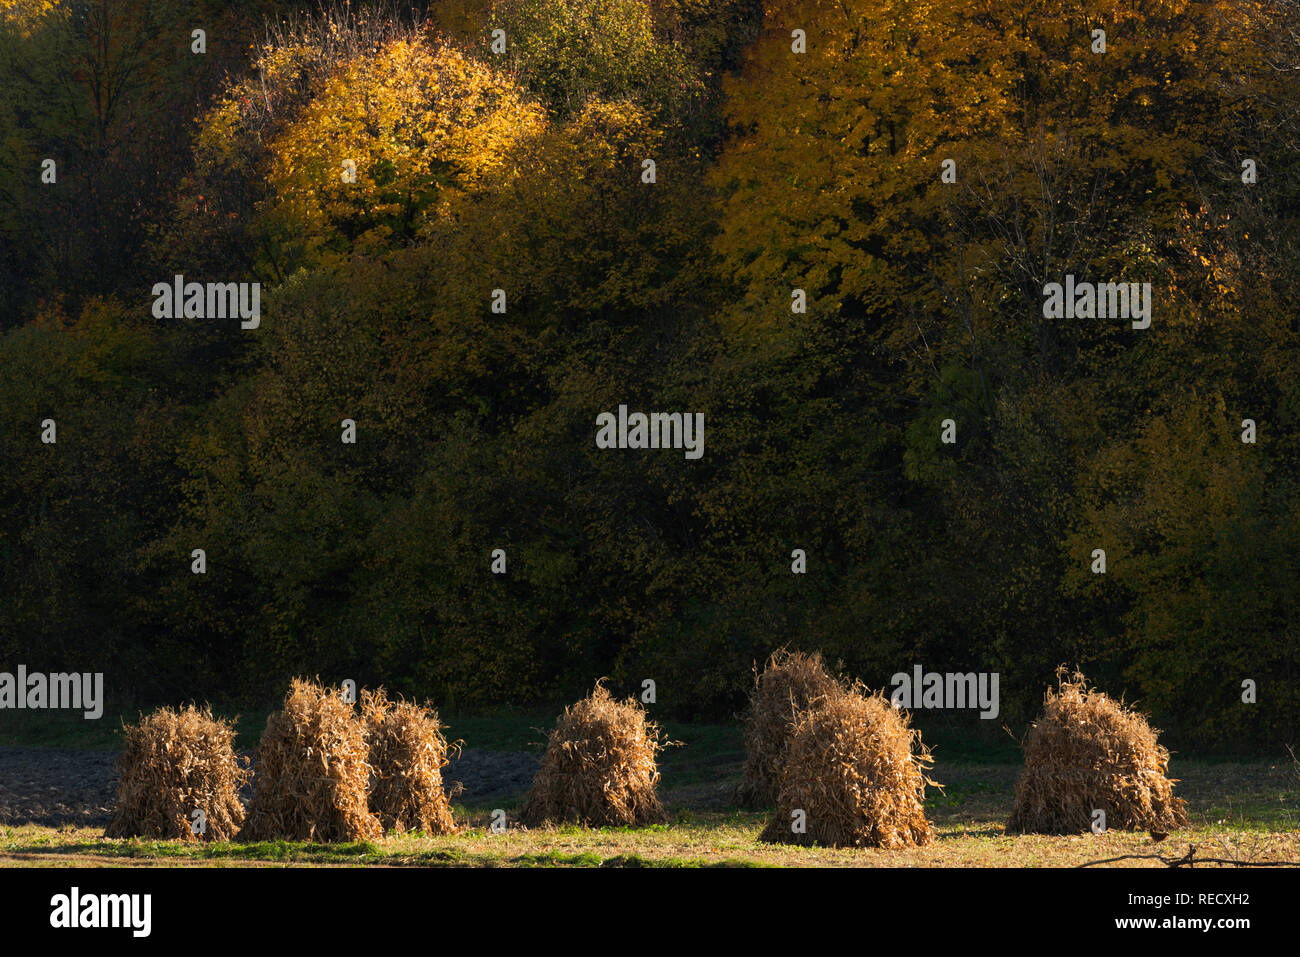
(834, 179)
(380, 151)
(351, 130)
(22, 16)
(418, 123)
(826, 182)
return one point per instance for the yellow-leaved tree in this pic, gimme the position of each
(1069, 124)
(389, 143)
(333, 146)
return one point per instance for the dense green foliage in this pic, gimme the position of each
(775, 171)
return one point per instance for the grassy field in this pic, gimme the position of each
(1241, 811)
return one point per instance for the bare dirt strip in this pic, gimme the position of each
(54, 787)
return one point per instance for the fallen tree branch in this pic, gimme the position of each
(1190, 860)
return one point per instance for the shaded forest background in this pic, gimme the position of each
(774, 171)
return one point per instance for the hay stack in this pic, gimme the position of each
(599, 767)
(407, 755)
(1085, 752)
(787, 685)
(173, 763)
(857, 771)
(312, 772)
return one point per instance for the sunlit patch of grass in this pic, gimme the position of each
(706, 839)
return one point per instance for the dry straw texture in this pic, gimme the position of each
(784, 689)
(599, 767)
(407, 755)
(857, 771)
(173, 763)
(1088, 752)
(313, 775)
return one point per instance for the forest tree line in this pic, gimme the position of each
(774, 171)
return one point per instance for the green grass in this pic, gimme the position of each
(1248, 811)
(69, 729)
(969, 833)
(501, 729)
(60, 729)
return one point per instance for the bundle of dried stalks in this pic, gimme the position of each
(599, 767)
(854, 776)
(1088, 752)
(407, 755)
(174, 763)
(787, 685)
(312, 774)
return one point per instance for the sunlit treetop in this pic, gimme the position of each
(378, 151)
(22, 16)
